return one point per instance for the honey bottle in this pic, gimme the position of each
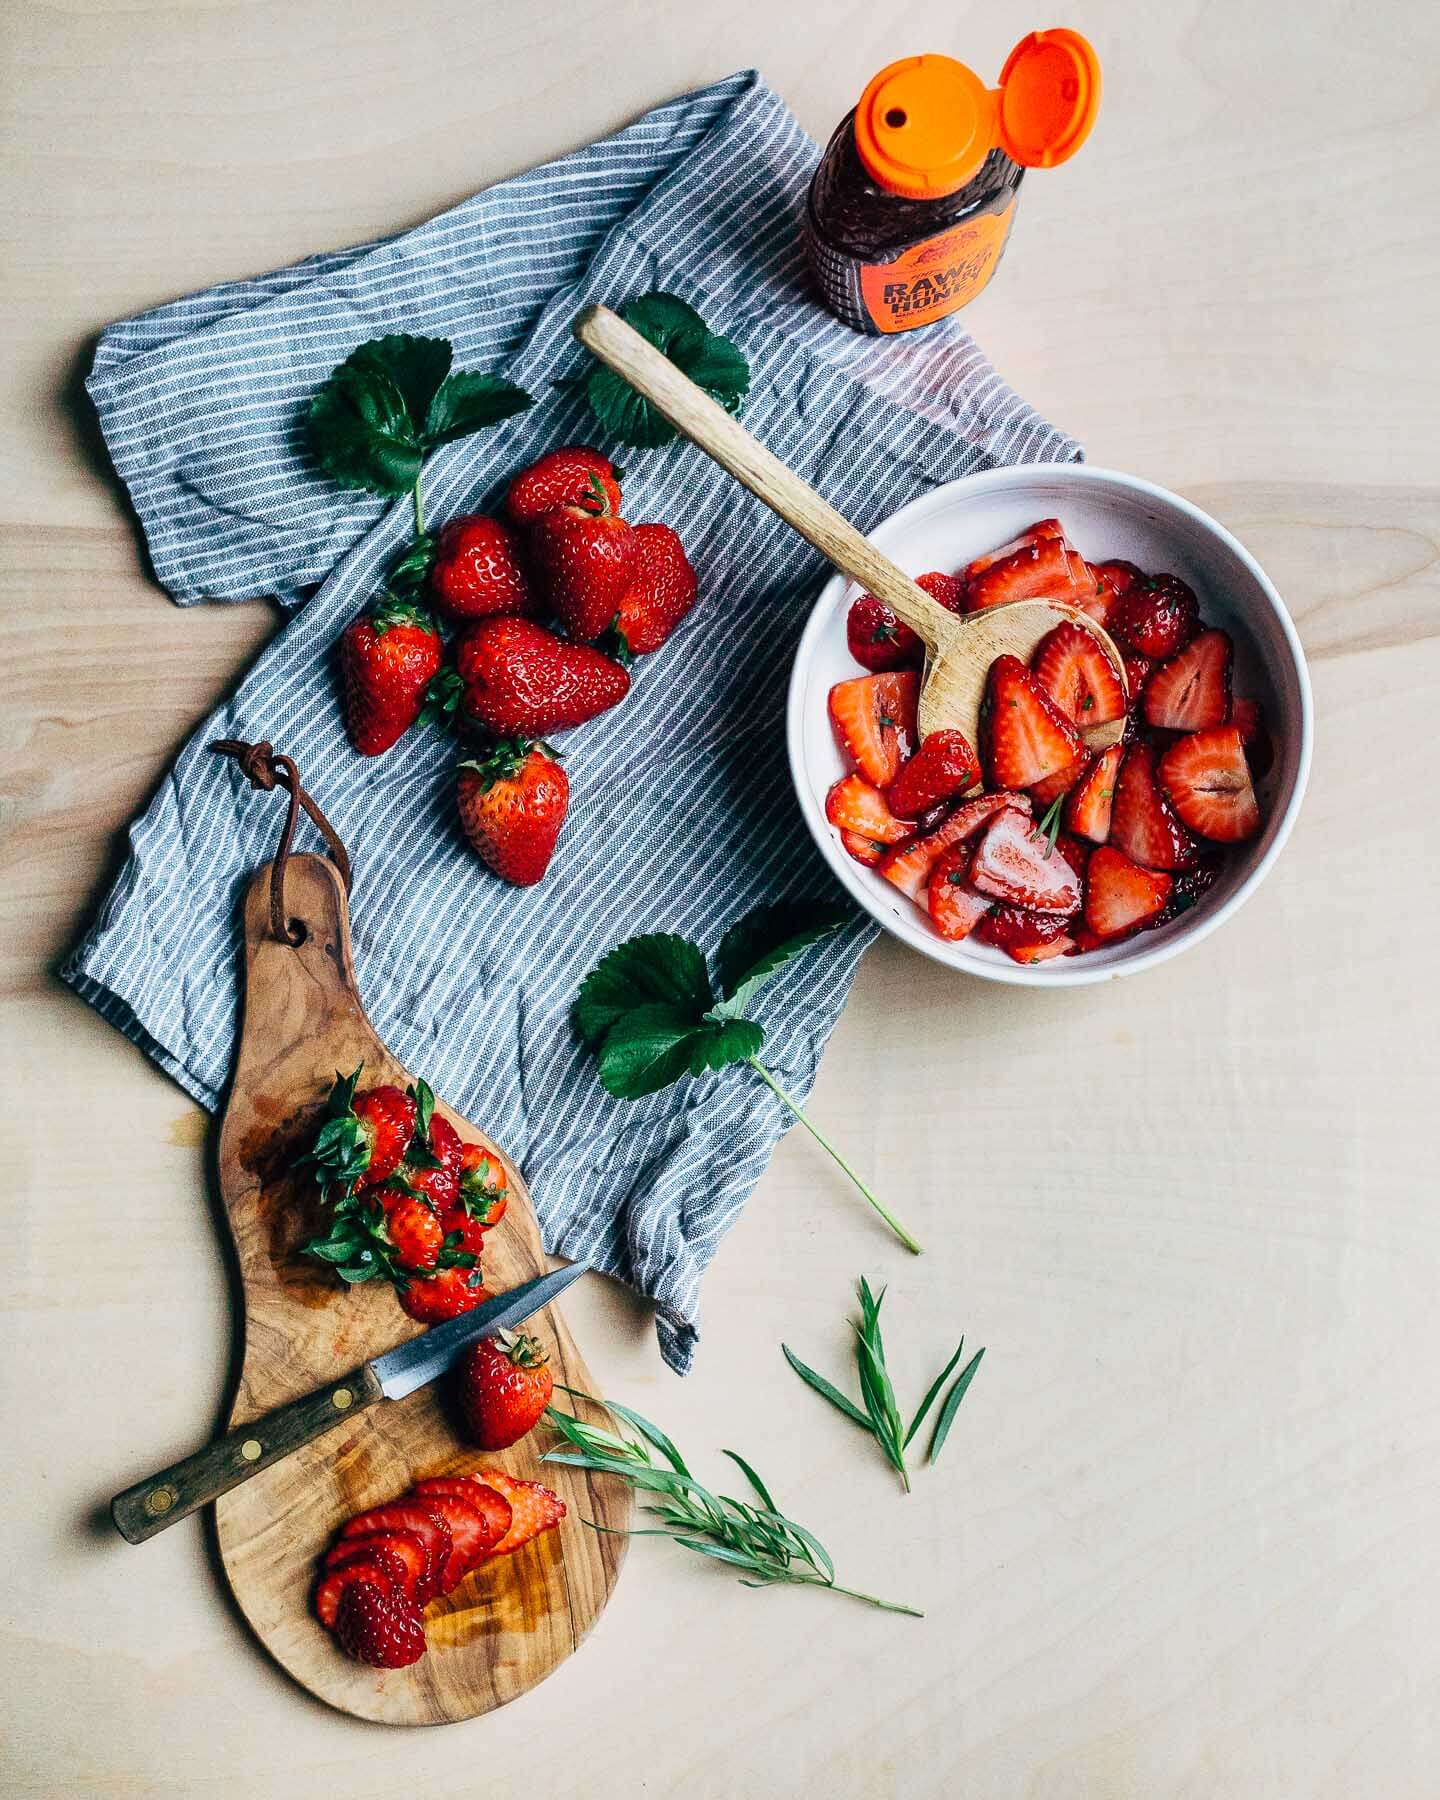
(912, 203)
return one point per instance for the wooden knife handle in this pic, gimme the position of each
(706, 423)
(176, 1492)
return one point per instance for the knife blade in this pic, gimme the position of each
(420, 1359)
(148, 1507)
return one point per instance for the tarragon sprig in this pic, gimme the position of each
(768, 1548)
(880, 1414)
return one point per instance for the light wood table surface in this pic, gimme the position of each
(1185, 1541)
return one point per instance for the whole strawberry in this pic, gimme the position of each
(432, 1168)
(414, 1230)
(504, 1385)
(512, 803)
(482, 1201)
(561, 478)
(521, 679)
(478, 572)
(662, 590)
(584, 556)
(387, 660)
(1156, 616)
(364, 1135)
(444, 1295)
(878, 641)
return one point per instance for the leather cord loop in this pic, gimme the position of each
(264, 769)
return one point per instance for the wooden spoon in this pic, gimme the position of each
(958, 651)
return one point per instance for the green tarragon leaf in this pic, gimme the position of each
(655, 968)
(759, 945)
(676, 329)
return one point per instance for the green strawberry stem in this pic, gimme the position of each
(419, 511)
(825, 1144)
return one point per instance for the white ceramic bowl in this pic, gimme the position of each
(1106, 515)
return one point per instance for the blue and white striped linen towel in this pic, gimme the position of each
(681, 812)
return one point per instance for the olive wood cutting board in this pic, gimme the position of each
(512, 1620)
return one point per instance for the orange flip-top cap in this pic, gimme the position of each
(925, 124)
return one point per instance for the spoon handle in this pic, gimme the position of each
(696, 416)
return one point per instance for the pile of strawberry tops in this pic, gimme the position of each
(529, 624)
(1034, 841)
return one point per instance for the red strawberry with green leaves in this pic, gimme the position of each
(942, 769)
(1206, 778)
(1024, 735)
(521, 680)
(877, 639)
(564, 477)
(364, 1135)
(1120, 896)
(874, 720)
(512, 803)
(414, 1231)
(1071, 665)
(444, 1295)
(479, 570)
(1191, 692)
(584, 557)
(481, 1203)
(1156, 616)
(379, 1626)
(388, 658)
(661, 592)
(504, 1384)
(1143, 824)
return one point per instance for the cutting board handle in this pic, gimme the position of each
(707, 424)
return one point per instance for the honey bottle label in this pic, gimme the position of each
(937, 276)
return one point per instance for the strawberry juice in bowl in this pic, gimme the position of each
(1108, 517)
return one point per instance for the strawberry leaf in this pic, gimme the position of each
(760, 944)
(712, 363)
(726, 1041)
(389, 402)
(646, 1049)
(657, 967)
(468, 402)
(417, 366)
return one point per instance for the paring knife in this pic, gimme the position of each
(176, 1492)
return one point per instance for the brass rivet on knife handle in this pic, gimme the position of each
(180, 1490)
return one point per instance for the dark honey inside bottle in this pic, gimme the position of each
(911, 206)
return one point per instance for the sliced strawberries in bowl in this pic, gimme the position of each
(874, 720)
(1005, 859)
